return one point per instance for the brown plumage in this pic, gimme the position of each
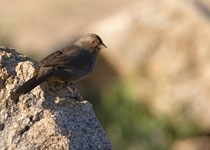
(70, 64)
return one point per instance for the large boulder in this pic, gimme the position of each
(48, 117)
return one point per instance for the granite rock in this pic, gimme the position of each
(48, 117)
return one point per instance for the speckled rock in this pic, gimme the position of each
(48, 117)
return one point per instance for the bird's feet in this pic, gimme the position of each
(75, 92)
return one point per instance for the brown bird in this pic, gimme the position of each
(70, 64)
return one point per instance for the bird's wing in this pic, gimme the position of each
(73, 57)
(50, 57)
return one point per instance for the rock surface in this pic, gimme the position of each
(47, 117)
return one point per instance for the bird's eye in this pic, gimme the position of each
(94, 43)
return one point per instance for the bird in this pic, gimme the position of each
(70, 64)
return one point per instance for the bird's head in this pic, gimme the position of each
(91, 41)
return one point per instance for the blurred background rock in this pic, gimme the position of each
(150, 89)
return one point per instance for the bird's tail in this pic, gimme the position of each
(28, 86)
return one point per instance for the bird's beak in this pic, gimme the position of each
(103, 45)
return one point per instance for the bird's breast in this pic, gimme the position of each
(74, 74)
